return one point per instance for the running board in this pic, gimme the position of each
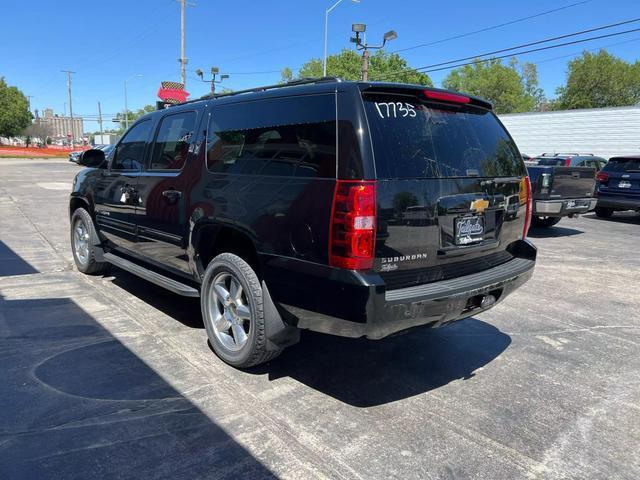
(151, 276)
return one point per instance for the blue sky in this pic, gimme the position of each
(106, 42)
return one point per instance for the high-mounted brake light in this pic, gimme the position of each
(526, 199)
(446, 97)
(602, 177)
(352, 233)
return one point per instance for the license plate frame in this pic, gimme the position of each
(469, 229)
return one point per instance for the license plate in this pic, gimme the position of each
(624, 184)
(469, 230)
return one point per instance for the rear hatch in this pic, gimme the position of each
(572, 182)
(622, 176)
(451, 195)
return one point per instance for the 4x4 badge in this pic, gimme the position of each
(479, 205)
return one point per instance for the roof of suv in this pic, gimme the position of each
(321, 85)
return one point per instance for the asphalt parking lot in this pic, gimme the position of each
(112, 377)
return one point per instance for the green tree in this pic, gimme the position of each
(133, 115)
(509, 89)
(347, 65)
(14, 110)
(597, 80)
(286, 75)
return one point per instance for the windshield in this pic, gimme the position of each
(418, 140)
(623, 165)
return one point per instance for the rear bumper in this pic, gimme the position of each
(390, 311)
(563, 207)
(618, 202)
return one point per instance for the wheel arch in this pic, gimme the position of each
(210, 238)
(77, 201)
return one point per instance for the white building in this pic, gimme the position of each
(605, 132)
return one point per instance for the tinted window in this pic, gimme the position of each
(414, 139)
(552, 161)
(293, 136)
(171, 148)
(622, 165)
(129, 154)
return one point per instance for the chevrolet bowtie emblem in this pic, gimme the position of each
(479, 205)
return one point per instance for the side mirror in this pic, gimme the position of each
(92, 158)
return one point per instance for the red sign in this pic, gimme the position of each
(172, 92)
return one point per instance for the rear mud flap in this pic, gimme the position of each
(279, 334)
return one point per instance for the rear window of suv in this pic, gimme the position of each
(412, 139)
(622, 165)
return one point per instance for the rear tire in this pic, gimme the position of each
(544, 222)
(604, 212)
(233, 312)
(84, 242)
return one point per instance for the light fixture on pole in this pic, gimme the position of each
(126, 108)
(361, 44)
(326, 31)
(214, 72)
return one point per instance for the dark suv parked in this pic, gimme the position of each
(619, 186)
(355, 209)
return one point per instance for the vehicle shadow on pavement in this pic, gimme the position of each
(77, 403)
(186, 310)
(366, 373)
(553, 232)
(12, 264)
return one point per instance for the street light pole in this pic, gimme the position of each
(326, 32)
(126, 108)
(361, 44)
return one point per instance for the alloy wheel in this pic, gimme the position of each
(230, 312)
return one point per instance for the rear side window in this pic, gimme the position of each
(552, 161)
(293, 136)
(622, 165)
(412, 139)
(171, 147)
(129, 153)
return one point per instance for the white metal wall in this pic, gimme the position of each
(605, 132)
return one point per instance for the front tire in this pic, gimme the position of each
(544, 222)
(604, 212)
(84, 241)
(233, 312)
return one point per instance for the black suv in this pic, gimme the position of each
(619, 186)
(355, 209)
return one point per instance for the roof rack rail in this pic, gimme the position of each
(560, 154)
(300, 81)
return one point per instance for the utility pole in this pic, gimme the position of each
(100, 121)
(365, 65)
(73, 133)
(183, 58)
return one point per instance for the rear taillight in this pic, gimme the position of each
(525, 198)
(602, 177)
(567, 162)
(446, 97)
(352, 234)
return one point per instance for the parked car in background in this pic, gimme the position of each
(618, 186)
(560, 190)
(350, 208)
(571, 160)
(74, 156)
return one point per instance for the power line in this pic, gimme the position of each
(492, 27)
(524, 45)
(540, 49)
